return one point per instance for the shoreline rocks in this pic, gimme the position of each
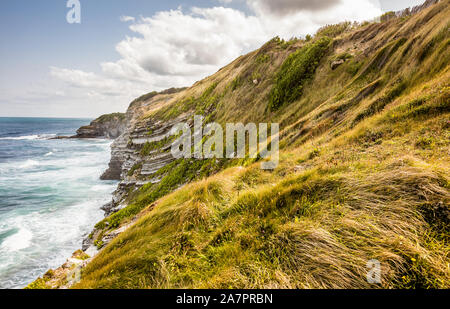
(109, 126)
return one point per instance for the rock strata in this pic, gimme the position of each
(109, 126)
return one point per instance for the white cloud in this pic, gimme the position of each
(187, 46)
(97, 85)
(176, 48)
(286, 7)
(300, 22)
(126, 19)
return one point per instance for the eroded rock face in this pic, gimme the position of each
(130, 163)
(135, 167)
(107, 126)
(118, 156)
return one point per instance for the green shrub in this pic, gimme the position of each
(99, 244)
(298, 68)
(110, 117)
(263, 58)
(283, 43)
(421, 108)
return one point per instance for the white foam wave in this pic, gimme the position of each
(101, 188)
(28, 137)
(18, 241)
(20, 138)
(29, 164)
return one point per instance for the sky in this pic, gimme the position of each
(122, 49)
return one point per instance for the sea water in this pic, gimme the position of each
(50, 194)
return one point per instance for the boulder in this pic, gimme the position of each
(335, 64)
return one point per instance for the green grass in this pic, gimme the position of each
(382, 57)
(110, 117)
(379, 104)
(135, 167)
(431, 46)
(173, 175)
(387, 16)
(149, 147)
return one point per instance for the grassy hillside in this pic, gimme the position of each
(363, 174)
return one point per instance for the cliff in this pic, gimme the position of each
(124, 152)
(363, 175)
(108, 126)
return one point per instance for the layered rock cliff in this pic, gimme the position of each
(108, 126)
(126, 149)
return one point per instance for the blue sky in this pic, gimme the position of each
(52, 68)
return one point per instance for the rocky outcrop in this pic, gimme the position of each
(133, 164)
(118, 156)
(130, 162)
(65, 276)
(123, 149)
(107, 126)
(137, 155)
(335, 64)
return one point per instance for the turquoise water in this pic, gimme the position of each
(50, 195)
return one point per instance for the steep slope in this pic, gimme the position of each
(363, 173)
(106, 126)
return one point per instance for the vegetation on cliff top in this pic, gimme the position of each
(110, 117)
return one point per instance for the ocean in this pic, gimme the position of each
(50, 195)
